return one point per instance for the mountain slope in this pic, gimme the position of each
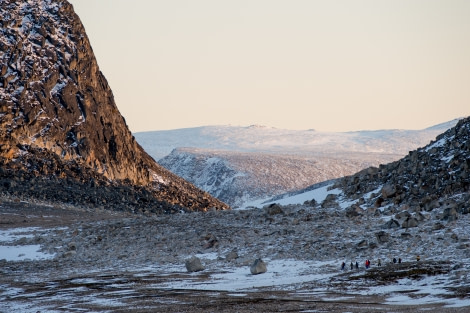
(240, 177)
(57, 109)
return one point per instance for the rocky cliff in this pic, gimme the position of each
(58, 118)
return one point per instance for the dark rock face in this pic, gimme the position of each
(436, 176)
(58, 117)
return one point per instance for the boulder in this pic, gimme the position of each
(353, 211)
(362, 244)
(274, 209)
(388, 190)
(391, 224)
(410, 222)
(449, 214)
(402, 215)
(330, 201)
(232, 255)
(382, 237)
(258, 267)
(194, 265)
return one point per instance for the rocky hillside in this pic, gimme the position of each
(436, 176)
(240, 177)
(58, 118)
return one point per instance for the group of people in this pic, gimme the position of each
(343, 266)
(367, 263)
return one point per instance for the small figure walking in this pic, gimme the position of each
(379, 263)
(394, 260)
(343, 265)
(367, 263)
(417, 258)
(399, 260)
(357, 265)
(352, 266)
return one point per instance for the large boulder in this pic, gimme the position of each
(258, 267)
(194, 264)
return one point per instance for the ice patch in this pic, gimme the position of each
(21, 253)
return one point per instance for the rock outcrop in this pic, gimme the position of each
(58, 118)
(435, 176)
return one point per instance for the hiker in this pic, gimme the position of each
(394, 260)
(417, 258)
(343, 265)
(399, 260)
(379, 263)
(352, 266)
(367, 263)
(357, 265)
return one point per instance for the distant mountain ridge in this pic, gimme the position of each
(257, 138)
(59, 124)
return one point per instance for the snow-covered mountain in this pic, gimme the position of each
(242, 164)
(257, 138)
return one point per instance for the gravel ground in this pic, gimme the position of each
(114, 262)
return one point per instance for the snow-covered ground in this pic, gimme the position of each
(11, 248)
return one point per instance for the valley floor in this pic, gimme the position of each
(56, 259)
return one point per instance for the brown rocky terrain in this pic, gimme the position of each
(59, 124)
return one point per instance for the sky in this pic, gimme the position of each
(328, 65)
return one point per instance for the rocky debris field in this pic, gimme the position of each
(103, 261)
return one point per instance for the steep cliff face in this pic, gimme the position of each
(54, 99)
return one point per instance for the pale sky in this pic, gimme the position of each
(329, 65)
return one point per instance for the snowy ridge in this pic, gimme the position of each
(273, 140)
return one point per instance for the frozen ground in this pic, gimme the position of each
(123, 263)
